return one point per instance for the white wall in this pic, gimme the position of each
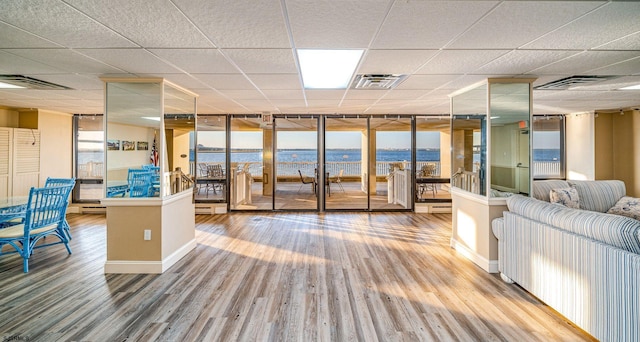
(119, 160)
(580, 146)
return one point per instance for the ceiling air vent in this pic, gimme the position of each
(573, 81)
(30, 83)
(377, 81)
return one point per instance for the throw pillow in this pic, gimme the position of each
(627, 206)
(565, 196)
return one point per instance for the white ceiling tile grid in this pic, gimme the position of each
(240, 56)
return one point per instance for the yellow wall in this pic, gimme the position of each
(9, 117)
(617, 154)
(56, 144)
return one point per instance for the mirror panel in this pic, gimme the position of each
(510, 156)
(132, 121)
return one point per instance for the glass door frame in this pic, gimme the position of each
(371, 169)
(319, 160)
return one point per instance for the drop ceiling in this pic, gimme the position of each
(239, 56)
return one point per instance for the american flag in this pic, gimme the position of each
(153, 158)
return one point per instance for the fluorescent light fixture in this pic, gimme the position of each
(9, 86)
(328, 69)
(633, 87)
(154, 118)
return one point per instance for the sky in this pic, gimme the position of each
(333, 140)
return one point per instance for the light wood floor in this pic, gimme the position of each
(276, 277)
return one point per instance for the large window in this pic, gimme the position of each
(548, 147)
(89, 146)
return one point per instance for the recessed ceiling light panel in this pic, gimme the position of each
(328, 69)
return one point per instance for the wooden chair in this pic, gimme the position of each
(44, 216)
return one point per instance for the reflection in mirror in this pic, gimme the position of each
(132, 125)
(179, 130)
(509, 106)
(469, 135)
(469, 140)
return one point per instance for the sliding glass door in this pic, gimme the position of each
(296, 161)
(251, 164)
(347, 171)
(390, 136)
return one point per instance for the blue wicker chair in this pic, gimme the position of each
(44, 216)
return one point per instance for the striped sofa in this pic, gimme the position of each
(583, 263)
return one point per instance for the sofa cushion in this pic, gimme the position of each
(619, 231)
(565, 196)
(542, 188)
(627, 206)
(599, 195)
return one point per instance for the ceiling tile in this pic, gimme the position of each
(276, 81)
(135, 61)
(263, 61)
(74, 81)
(520, 62)
(394, 61)
(425, 82)
(628, 67)
(630, 42)
(198, 61)
(239, 23)
(67, 60)
(323, 23)
(164, 26)
(324, 94)
(398, 94)
(613, 20)
(60, 23)
(13, 64)
(277, 94)
(242, 94)
(12, 37)
(225, 81)
(514, 23)
(459, 61)
(365, 94)
(428, 24)
(585, 62)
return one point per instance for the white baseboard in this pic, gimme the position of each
(490, 266)
(153, 267)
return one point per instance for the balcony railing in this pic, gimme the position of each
(541, 169)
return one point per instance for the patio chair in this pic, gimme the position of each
(427, 171)
(338, 179)
(53, 182)
(304, 181)
(44, 216)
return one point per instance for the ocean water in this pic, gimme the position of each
(331, 155)
(334, 155)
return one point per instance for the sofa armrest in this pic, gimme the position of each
(497, 226)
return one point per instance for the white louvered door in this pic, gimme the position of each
(26, 160)
(6, 138)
